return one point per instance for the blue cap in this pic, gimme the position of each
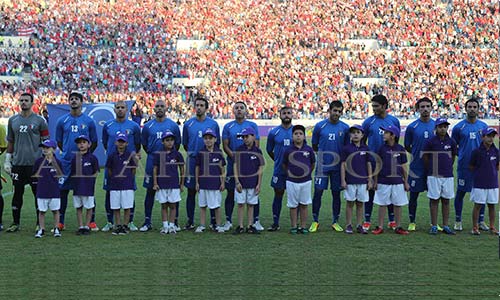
(121, 136)
(488, 131)
(82, 137)
(440, 121)
(358, 127)
(167, 134)
(48, 144)
(247, 131)
(391, 128)
(209, 131)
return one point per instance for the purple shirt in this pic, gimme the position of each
(121, 169)
(443, 163)
(248, 163)
(47, 176)
(168, 168)
(82, 174)
(210, 164)
(485, 163)
(299, 163)
(357, 165)
(392, 158)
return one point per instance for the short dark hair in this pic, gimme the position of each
(298, 127)
(29, 95)
(336, 103)
(285, 107)
(76, 94)
(425, 99)
(380, 99)
(240, 102)
(201, 98)
(473, 99)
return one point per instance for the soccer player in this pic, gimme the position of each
(484, 166)
(248, 169)
(391, 183)
(25, 131)
(328, 138)
(467, 135)
(278, 140)
(417, 134)
(3, 147)
(375, 135)
(68, 128)
(151, 137)
(209, 178)
(439, 154)
(231, 140)
(298, 163)
(193, 142)
(109, 131)
(84, 169)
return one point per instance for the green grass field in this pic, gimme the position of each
(325, 265)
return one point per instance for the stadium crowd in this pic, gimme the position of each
(266, 53)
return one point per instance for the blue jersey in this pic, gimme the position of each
(417, 134)
(372, 131)
(68, 128)
(151, 138)
(330, 139)
(112, 127)
(278, 140)
(230, 132)
(192, 134)
(468, 137)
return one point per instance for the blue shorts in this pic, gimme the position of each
(418, 183)
(190, 181)
(321, 182)
(278, 181)
(65, 181)
(465, 178)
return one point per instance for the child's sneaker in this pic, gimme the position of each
(274, 227)
(447, 230)
(57, 233)
(314, 227)
(13, 228)
(493, 230)
(361, 229)
(164, 230)
(132, 226)
(348, 229)
(304, 231)
(177, 227)
(458, 226)
(219, 229)
(337, 227)
(439, 227)
(93, 226)
(189, 226)
(227, 226)
(117, 230)
(238, 230)
(200, 229)
(146, 227)
(171, 230)
(40, 233)
(401, 231)
(483, 226)
(258, 226)
(123, 230)
(475, 231)
(1, 227)
(378, 230)
(434, 230)
(107, 227)
(413, 227)
(294, 230)
(367, 225)
(392, 225)
(252, 230)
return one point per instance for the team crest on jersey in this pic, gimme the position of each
(173, 161)
(125, 162)
(396, 155)
(493, 158)
(32, 126)
(86, 164)
(253, 157)
(447, 147)
(305, 154)
(362, 153)
(215, 159)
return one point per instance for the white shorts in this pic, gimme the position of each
(484, 196)
(298, 193)
(387, 194)
(121, 199)
(247, 196)
(210, 198)
(85, 201)
(45, 204)
(168, 195)
(356, 192)
(440, 187)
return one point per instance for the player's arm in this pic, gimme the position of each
(257, 135)
(227, 150)
(197, 177)
(137, 139)
(185, 138)
(144, 138)
(236, 174)
(404, 171)
(270, 146)
(408, 139)
(315, 138)
(222, 175)
(473, 161)
(370, 174)
(155, 178)
(182, 171)
(93, 136)
(342, 174)
(105, 137)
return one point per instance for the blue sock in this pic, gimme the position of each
(256, 211)
(316, 205)
(229, 205)
(148, 205)
(459, 202)
(390, 212)
(277, 209)
(369, 206)
(412, 206)
(336, 205)
(107, 205)
(64, 205)
(190, 203)
(481, 214)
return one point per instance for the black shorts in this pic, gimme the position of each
(22, 175)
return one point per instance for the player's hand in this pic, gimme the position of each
(374, 186)
(239, 188)
(369, 184)
(257, 189)
(222, 186)
(197, 187)
(156, 187)
(343, 184)
(7, 165)
(407, 186)
(181, 187)
(138, 156)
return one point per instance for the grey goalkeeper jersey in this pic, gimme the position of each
(26, 133)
